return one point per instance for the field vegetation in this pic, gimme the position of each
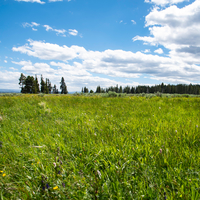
(99, 147)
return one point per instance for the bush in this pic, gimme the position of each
(112, 94)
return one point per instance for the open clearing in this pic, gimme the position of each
(76, 147)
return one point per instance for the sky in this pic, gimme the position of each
(100, 42)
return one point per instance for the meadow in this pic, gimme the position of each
(79, 147)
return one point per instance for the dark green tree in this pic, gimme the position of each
(63, 86)
(85, 90)
(120, 89)
(29, 83)
(36, 88)
(42, 85)
(55, 90)
(98, 90)
(22, 82)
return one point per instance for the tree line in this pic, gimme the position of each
(162, 88)
(30, 84)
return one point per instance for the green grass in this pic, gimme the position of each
(77, 147)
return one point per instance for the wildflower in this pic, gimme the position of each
(47, 186)
(59, 172)
(197, 126)
(55, 188)
(1, 118)
(165, 197)
(63, 184)
(1, 171)
(54, 164)
(176, 131)
(160, 150)
(4, 175)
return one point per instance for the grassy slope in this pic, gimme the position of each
(99, 148)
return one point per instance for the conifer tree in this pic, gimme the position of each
(22, 82)
(29, 82)
(36, 86)
(55, 90)
(63, 86)
(42, 85)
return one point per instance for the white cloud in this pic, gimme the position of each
(164, 2)
(58, 31)
(5, 61)
(32, 24)
(114, 63)
(159, 51)
(76, 76)
(73, 32)
(12, 68)
(147, 51)
(48, 51)
(9, 79)
(32, 1)
(133, 21)
(121, 21)
(48, 27)
(177, 29)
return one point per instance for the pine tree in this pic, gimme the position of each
(120, 89)
(63, 86)
(36, 86)
(22, 82)
(46, 87)
(55, 91)
(49, 86)
(42, 85)
(29, 83)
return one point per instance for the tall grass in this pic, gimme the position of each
(77, 147)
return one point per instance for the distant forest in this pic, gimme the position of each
(30, 84)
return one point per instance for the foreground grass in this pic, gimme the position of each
(66, 147)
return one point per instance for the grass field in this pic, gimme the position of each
(76, 147)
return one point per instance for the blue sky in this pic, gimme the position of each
(107, 42)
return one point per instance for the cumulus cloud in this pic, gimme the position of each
(114, 63)
(164, 2)
(159, 51)
(147, 51)
(12, 68)
(32, 1)
(5, 61)
(75, 75)
(49, 51)
(9, 79)
(177, 29)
